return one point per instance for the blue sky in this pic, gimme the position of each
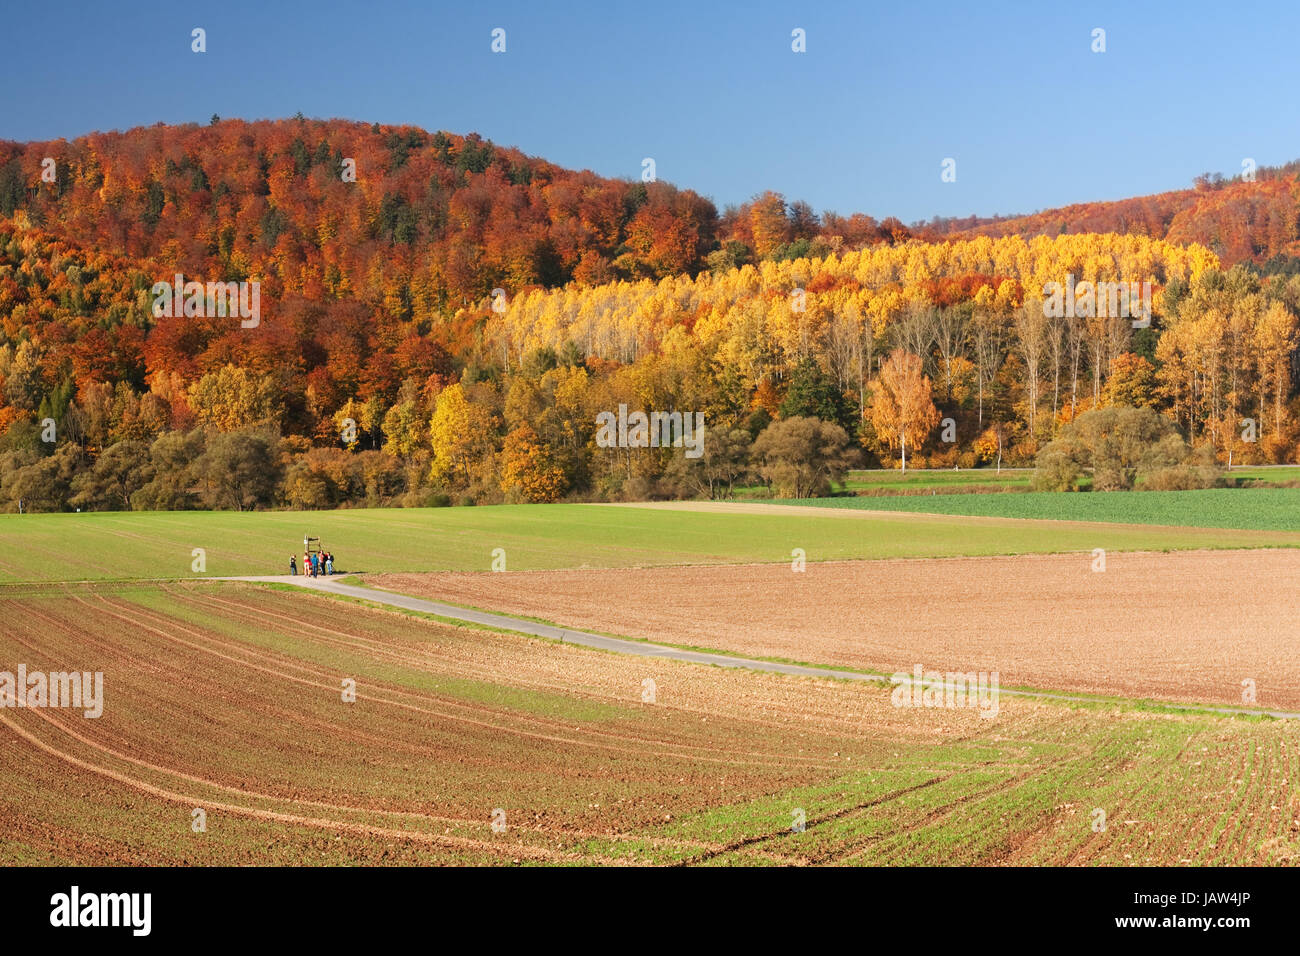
(861, 122)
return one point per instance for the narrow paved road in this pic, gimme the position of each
(622, 646)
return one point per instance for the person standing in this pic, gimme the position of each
(329, 564)
(293, 565)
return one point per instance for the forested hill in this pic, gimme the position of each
(434, 221)
(381, 368)
(1238, 220)
(430, 220)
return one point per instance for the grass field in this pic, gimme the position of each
(1272, 509)
(894, 480)
(890, 481)
(1251, 474)
(226, 698)
(114, 546)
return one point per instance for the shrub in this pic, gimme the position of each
(1120, 445)
(1058, 468)
(1198, 471)
(802, 456)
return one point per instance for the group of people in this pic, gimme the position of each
(314, 563)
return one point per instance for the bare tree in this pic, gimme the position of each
(1056, 346)
(989, 332)
(1119, 336)
(914, 333)
(951, 333)
(1075, 333)
(1031, 326)
(843, 345)
(850, 346)
(1097, 354)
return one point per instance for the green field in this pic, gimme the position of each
(894, 480)
(1264, 509)
(122, 545)
(1252, 475)
(890, 481)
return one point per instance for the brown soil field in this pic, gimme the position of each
(1185, 626)
(226, 697)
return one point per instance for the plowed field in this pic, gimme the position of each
(1183, 626)
(228, 698)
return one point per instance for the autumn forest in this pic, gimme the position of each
(443, 319)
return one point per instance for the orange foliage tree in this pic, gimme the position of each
(901, 404)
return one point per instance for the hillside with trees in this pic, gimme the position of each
(329, 210)
(385, 371)
(1240, 221)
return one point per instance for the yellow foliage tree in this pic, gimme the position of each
(232, 398)
(461, 434)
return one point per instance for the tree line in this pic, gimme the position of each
(937, 355)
